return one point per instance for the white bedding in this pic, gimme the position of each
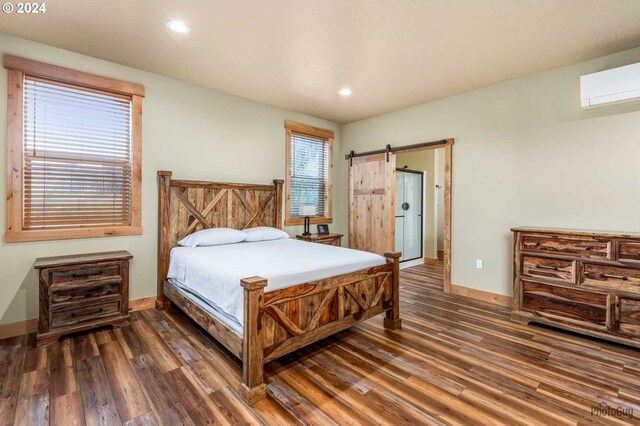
(214, 272)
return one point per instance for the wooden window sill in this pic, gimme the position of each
(291, 221)
(68, 234)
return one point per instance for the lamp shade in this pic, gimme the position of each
(307, 210)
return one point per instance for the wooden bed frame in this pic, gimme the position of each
(275, 322)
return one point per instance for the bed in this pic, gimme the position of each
(263, 300)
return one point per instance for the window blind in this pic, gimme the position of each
(77, 156)
(309, 173)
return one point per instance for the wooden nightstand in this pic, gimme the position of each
(82, 292)
(328, 239)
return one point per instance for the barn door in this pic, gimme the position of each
(372, 203)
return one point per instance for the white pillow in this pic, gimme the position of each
(264, 233)
(213, 237)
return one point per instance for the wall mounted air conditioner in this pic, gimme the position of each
(610, 87)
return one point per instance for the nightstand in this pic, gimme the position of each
(328, 239)
(82, 292)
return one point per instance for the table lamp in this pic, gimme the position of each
(307, 211)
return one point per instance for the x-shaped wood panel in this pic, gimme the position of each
(200, 217)
(255, 215)
(294, 330)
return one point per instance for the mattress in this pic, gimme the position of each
(212, 274)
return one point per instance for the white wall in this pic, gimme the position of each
(525, 153)
(197, 133)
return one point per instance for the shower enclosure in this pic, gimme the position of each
(409, 211)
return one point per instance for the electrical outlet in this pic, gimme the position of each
(479, 264)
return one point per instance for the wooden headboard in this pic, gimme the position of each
(186, 206)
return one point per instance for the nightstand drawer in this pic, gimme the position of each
(326, 239)
(332, 242)
(81, 291)
(82, 274)
(85, 313)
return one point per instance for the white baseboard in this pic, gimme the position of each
(410, 263)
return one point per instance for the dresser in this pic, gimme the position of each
(583, 281)
(82, 292)
(329, 239)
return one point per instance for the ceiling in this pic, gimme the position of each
(298, 54)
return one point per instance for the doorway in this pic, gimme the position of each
(372, 200)
(410, 213)
(430, 164)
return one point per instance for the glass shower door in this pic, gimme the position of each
(409, 220)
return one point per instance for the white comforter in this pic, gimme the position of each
(214, 272)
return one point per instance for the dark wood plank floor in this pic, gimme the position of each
(456, 361)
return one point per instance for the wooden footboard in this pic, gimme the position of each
(282, 321)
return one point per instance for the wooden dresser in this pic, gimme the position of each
(583, 281)
(329, 239)
(82, 292)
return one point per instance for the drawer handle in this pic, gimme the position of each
(537, 243)
(615, 277)
(74, 315)
(588, 248)
(553, 268)
(562, 302)
(95, 292)
(86, 274)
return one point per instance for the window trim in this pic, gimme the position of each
(17, 69)
(328, 136)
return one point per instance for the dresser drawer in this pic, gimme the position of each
(84, 314)
(611, 277)
(569, 303)
(551, 269)
(85, 273)
(629, 317)
(628, 252)
(105, 286)
(568, 246)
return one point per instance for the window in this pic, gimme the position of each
(74, 151)
(309, 170)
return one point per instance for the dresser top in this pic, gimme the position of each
(586, 232)
(74, 259)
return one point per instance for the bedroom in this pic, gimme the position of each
(524, 152)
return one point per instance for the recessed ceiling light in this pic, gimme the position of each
(178, 27)
(345, 92)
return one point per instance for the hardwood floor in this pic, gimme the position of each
(456, 361)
